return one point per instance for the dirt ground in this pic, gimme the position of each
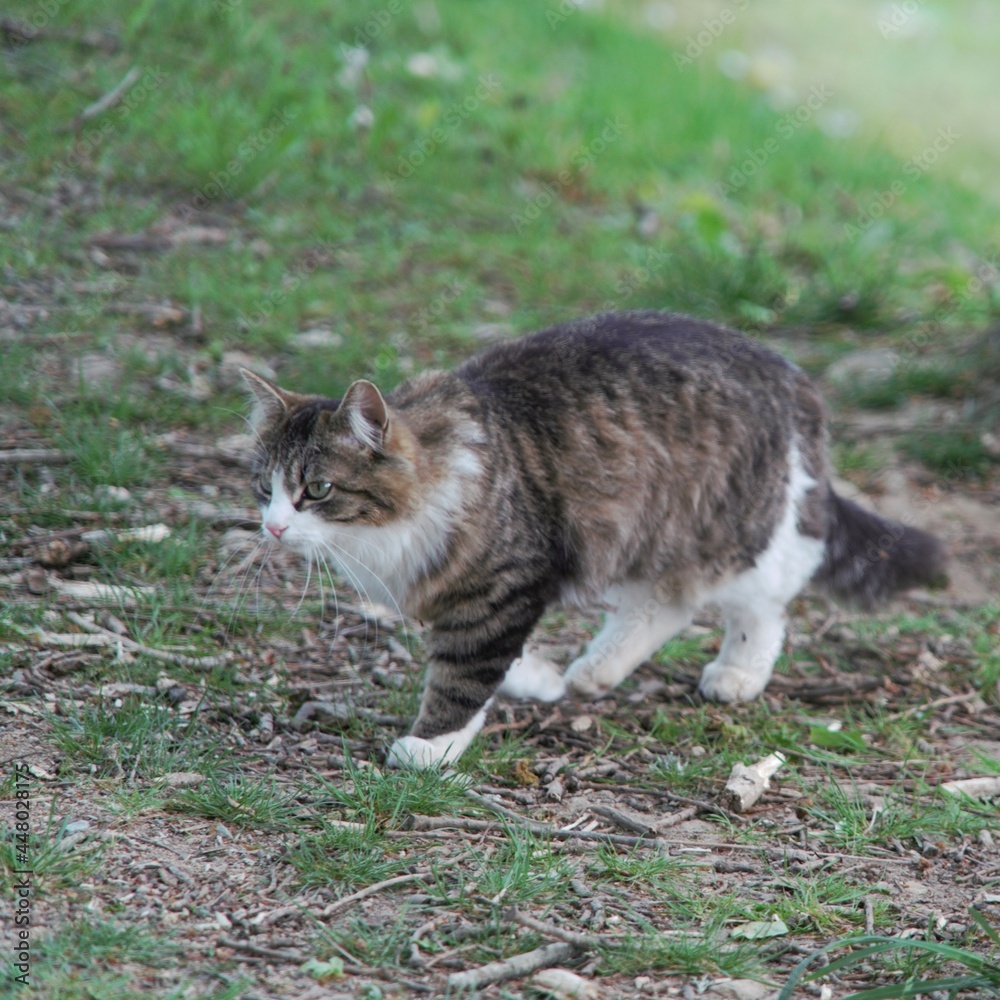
(227, 896)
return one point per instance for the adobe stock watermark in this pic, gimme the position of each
(883, 201)
(986, 276)
(389, 361)
(425, 147)
(784, 128)
(562, 11)
(895, 22)
(635, 279)
(581, 161)
(21, 875)
(710, 31)
(88, 141)
(246, 152)
(35, 22)
(263, 309)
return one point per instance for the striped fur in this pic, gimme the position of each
(633, 448)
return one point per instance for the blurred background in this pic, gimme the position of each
(400, 182)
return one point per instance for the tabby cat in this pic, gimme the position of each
(645, 462)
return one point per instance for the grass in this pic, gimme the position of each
(918, 958)
(251, 802)
(56, 868)
(954, 454)
(497, 189)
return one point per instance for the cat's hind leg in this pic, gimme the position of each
(636, 627)
(754, 633)
(754, 604)
(532, 676)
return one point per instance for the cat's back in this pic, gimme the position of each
(626, 353)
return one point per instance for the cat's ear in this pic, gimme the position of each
(366, 413)
(270, 402)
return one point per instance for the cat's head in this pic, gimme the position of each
(324, 466)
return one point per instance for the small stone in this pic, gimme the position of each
(985, 839)
(182, 779)
(561, 984)
(865, 367)
(581, 723)
(36, 580)
(318, 337)
(117, 493)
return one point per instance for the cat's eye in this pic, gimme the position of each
(263, 487)
(318, 490)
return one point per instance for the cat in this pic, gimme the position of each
(646, 462)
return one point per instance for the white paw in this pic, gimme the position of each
(531, 676)
(412, 751)
(586, 679)
(721, 682)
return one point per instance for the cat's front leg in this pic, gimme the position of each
(453, 709)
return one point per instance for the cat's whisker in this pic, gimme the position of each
(249, 584)
(352, 578)
(233, 581)
(305, 586)
(325, 563)
(375, 576)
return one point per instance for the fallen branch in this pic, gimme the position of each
(207, 451)
(26, 456)
(354, 897)
(417, 823)
(102, 593)
(95, 636)
(623, 821)
(110, 99)
(747, 784)
(681, 816)
(512, 968)
(146, 533)
(157, 313)
(584, 942)
(256, 949)
(976, 788)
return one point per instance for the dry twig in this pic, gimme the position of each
(110, 99)
(512, 968)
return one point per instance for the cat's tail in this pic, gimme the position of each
(869, 558)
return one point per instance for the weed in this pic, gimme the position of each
(251, 803)
(977, 973)
(134, 740)
(57, 866)
(958, 453)
(386, 798)
(345, 858)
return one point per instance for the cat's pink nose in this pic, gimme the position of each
(276, 529)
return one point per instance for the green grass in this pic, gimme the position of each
(956, 454)
(386, 798)
(919, 964)
(252, 803)
(56, 868)
(138, 740)
(938, 382)
(344, 858)
(587, 173)
(89, 960)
